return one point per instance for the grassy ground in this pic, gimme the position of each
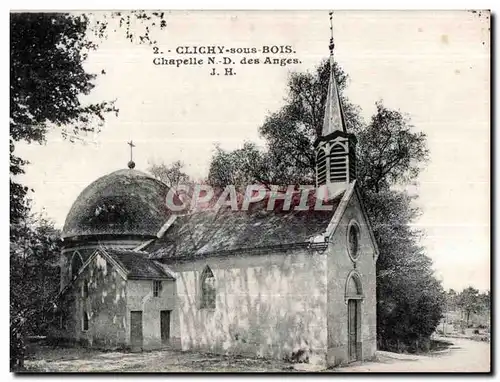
(50, 359)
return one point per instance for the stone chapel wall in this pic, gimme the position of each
(105, 307)
(269, 304)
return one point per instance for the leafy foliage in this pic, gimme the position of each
(239, 167)
(47, 76)
(409, 298)
(389, 153)
(471, 301)
(34, 279)
(474, 307)
(137, 24)
(172, 175)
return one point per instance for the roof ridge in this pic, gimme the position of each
(140, 252)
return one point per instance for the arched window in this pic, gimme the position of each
(207, 289)
(85, 322)
(353, 287)
(76, 264)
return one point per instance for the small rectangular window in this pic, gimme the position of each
(156, 288)
(85, 321)
(60, 316)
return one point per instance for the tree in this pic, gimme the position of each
(34, 280)
(451, 299)
(239, 167)
(485, 299)
(410, 300)
(172, 175)
(389, 153)
(469, 301)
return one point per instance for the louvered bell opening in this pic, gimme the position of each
(338, 164)
(352, 165)
(321, 167)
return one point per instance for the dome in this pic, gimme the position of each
(125, 202)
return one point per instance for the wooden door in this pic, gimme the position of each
(165, 326)
(136, 330)
(352, 311)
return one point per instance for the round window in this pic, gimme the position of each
(353, 236)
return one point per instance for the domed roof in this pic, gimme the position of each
(125, 202)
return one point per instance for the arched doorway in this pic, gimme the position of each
(353, 298)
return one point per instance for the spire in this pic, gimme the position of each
(336, 148)
(334, 115)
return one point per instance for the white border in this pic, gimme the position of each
(187, 4)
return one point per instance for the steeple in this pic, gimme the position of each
(335, 148)
(334, 115)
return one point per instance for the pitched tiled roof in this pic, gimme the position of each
(138, 265)
(208, 232)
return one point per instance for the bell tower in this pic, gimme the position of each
(335, 148)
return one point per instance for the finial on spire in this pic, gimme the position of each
(131, 163)
(334, 115)
(332, 44)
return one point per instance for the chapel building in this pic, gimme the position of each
(276, 283)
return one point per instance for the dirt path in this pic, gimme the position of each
(463, 356)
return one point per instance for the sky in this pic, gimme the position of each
(433, 65)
